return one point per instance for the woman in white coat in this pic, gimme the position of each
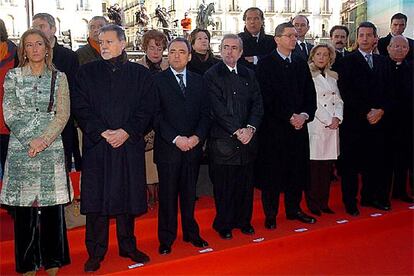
(323, 130)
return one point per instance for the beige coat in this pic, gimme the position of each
(164, 63)
(324, 142)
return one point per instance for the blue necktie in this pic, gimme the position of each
(369, 60)
(181, 83)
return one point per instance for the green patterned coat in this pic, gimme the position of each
(42, 180)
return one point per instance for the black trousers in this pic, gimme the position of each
(233, 195)
(366, 157)
(317, 194)
(4, 144)
(402, 170)
(177, 180)
(278, 180)
(40, 238)
(70, 142)
(97, 234)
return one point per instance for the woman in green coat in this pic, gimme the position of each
(36, 108)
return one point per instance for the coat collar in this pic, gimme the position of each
(224, 70)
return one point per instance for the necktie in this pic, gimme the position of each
(234, 71)
(181, 83)
(287, 62)
(303, 45)
(369, 60)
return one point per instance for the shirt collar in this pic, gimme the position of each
(283, 56)
(364, 53)
(231, 68)
(184, 72)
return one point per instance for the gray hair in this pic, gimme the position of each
(280, 29)
(180, 39)
(45, 16)
(98, 17)
(120, 33)
(394, 37)
(232, 36)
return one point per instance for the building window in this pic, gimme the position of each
(59, 4)
(325, 5)
(288, 6)
(271, 5)
(305, 6)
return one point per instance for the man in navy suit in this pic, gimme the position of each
(397, 26)
(364, 87)
(181, 126)
(302, 48)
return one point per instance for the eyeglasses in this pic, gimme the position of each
(291, 36)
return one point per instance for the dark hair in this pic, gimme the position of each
(159, 37)
(338, 27)
(367, 24)
(399, 16)
(300, 15)
(3, 31)
(281, 28)
(253, 9)
(45, 16)
(120, 33)
(194, 33)
(180, 39)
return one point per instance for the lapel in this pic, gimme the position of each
(173, 80)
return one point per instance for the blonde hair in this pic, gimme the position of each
(332, 53)
(23, 61)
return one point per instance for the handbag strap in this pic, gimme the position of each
(52, 91)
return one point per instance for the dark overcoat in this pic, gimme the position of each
(362, 89)
(113, 96)
(235, 103)
(253, 46)
(180, 115)
(286, 89)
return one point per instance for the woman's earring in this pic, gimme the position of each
(47, 54)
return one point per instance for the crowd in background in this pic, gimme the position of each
(273, 112)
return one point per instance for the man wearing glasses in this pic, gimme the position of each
(289, 99)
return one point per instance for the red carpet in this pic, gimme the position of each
(365, 245)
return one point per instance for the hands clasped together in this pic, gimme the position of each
(244, 135)
(297, 120)
(115, 138)
(187, 143)
(37, 145)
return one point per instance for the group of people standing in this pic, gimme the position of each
(268, 113)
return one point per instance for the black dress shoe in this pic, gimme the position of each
(381, 206)
(247, 230)
(353, 211)
(198, 242)
(406, 198)
(164, 249)
(302, 217)
(92, 264)
(270, 223)
(225, 234)
(327, 210)
(136, 256)
(315, 212)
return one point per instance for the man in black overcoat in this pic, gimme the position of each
(67, 62)
(256, 44)
(400, 125)
(113, 102)
(397, 26)
(289, 99)
(181, 126)
(302, 47)
(237, 110)
(363, 82)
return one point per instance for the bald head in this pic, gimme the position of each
(398, 48)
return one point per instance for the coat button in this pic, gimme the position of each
(237, 147)
(324, 105)
(333, 103)
(247, 83)
(40, 92)
(324, 95)
(333, 93)
(37, 109)
(234, 92)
